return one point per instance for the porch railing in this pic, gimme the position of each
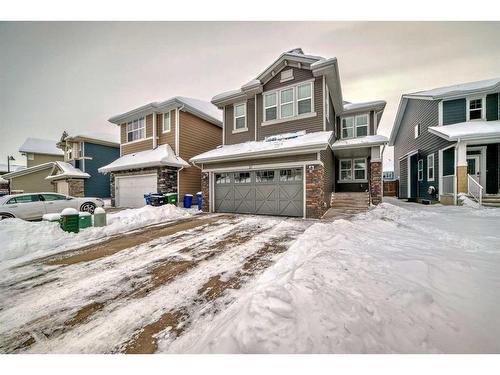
(448, 185)
(474, 189)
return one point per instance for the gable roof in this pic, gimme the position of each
(22, 172)
(41, 146)
(100, 138)
(61, 170)
(13, 167)
(197, 107)
(467, 130)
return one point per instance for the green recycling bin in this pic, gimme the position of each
(85, 220)
(70, 220)
(99, 217)
(172, 198)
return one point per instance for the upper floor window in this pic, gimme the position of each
(136, 129)
(270, 107)
(475, 109)
(166, 122)
(354, 126)
(287, 103)
(240, 116)
(304, 98)
(417, 130)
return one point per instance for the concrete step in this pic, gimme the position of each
(488, 204)
(491, 199)
(349, 203)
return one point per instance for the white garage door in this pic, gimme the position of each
(62, 187)
(130, 190)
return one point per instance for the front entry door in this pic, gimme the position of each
(474, 167)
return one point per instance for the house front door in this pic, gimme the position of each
(474, 167)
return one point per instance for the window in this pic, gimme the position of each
(264, 176)
(166, 122)
(136, 130)
(222, 178)
(417, 130)
(304, 98)
(345, 170)
(286, 103)
(31, 156)
(361, 125)
(290, 175)
(270, 107)
(420, 170)
(69, 153)
(53, 197)
(475, 109)
(242, 178)
(347, 127)
(430, 167)
(360, 169)
(286, 75)
(240, 116)
(24, 199)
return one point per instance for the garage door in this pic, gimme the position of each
(130, 190)
(266, 192)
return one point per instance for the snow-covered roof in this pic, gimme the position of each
(163, 155)
(63, 170)
(13, 167)
(24, 171)
(368, 141)
(458, 90)
(375, 104)
(197, 107)
(41, 146)
(279, 144)
(103, 137)
(468, 130)
(3, 181)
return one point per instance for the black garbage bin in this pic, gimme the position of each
(158, 200)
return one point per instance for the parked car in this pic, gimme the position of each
(33, 206)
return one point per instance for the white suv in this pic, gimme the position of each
(33, 206)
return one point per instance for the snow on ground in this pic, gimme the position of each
(23, 240)
(401, 278)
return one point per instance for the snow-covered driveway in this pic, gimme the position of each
(127, 292)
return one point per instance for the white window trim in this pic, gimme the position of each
(271, 106)
(355, 126)
(433, 167)
(420, 163)
(353, 180)
(342, 127)
(296, 116)
(241, 130)
(169, 122)
(417, 131)
(135, 130)
(483, 107)
(292, 102)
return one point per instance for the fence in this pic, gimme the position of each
(391, 188)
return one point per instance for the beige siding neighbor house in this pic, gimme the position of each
(156, 142)
(290, 141)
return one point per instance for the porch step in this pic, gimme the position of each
(488, 204)
(492, 200)
(350, 202)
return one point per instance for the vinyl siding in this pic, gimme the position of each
(33, 182)
(492, 107)
(246, 136)
(195, 136)
(42, 159)
(129, 148)
(403, 179)
(169, 137)
(424, 112)
(454, 111)
(98, 185)
(253, 162)
(329, 167)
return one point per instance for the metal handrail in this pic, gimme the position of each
(474, 186)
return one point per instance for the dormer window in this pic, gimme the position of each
(475, 109)
(136, 130)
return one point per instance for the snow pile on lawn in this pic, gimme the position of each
(466, 201)
(22, 240)
(407, 280)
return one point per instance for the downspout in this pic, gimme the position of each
(155, 131)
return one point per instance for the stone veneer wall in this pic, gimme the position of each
(315, 196)
(376, 182)
(76, 188)
(205, 191)
(166, 179)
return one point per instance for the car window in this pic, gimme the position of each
(53, 197)
(12, 201)
(24, 199)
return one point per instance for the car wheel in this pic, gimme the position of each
(6, 216)
(88, 207)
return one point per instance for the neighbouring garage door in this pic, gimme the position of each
(266, 192)
(130, 190)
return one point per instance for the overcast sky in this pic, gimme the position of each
(74, 76)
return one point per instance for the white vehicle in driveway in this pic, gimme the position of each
(32, 206)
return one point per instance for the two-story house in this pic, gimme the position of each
(40, 157)
(447, 141)
(156, 141)
(290, 140)
(77, 175)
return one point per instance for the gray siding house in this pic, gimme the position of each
(447, 141)
(289, 141)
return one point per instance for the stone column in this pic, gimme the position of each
(112, 188)
(76, 188)
(376, 182)
(462, 168)
(205, 191)
(167, 180)
(315, 193)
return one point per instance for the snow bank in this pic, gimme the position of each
(22, 240)
(423, 279)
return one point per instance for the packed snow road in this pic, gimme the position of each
(126, 292)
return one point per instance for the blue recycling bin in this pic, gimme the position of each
(199, 200)
(188, 201)
(147, 197)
